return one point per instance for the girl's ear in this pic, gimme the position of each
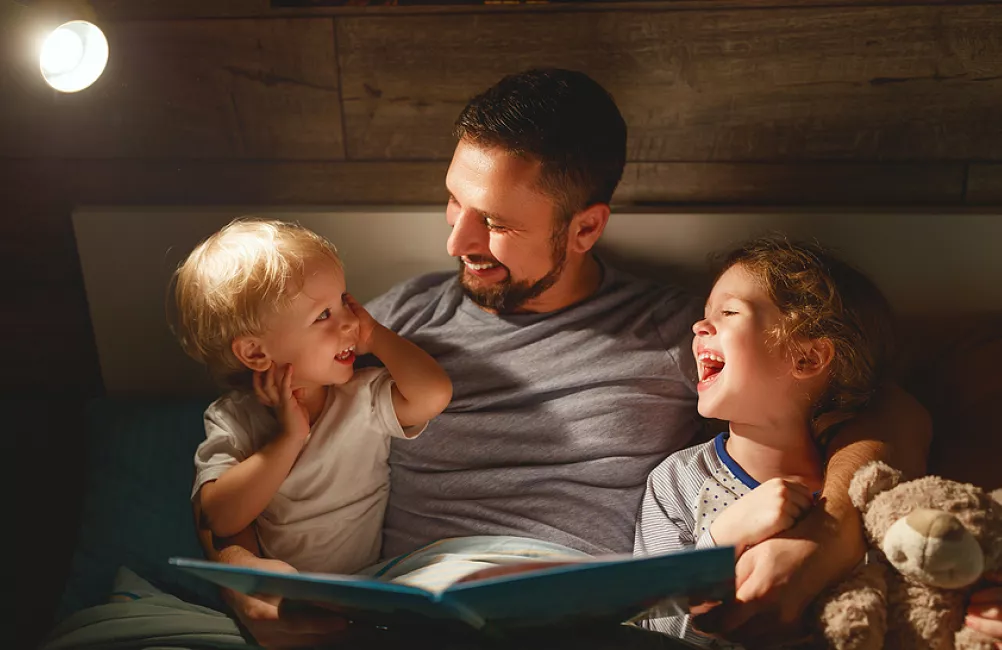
(249, 350)
(812, 358)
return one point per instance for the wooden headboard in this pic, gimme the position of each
(928, 264)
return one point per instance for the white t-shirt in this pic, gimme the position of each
(328, 514)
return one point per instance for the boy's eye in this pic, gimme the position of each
(727, 312)
(324, 315)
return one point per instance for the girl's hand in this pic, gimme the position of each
(984, 614)
(767, 510)
(366, 324)
(277, 393)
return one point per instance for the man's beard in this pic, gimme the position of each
(507, 296)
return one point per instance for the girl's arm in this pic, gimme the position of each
(421, 388)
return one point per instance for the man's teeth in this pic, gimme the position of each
(480, 267)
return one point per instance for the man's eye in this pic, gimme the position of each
(324, 315)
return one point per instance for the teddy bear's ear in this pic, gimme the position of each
(870, 480)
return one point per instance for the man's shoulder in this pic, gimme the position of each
(411, 295)
(660, 292)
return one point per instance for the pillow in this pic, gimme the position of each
(136, 508)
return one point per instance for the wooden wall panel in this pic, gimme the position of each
(984, 184)
(832, 83)
(121, 182)
(189, 89)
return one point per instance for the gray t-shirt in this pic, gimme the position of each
(556, 419)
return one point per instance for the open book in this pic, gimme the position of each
(611, 588)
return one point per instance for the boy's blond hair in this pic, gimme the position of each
(233, 280)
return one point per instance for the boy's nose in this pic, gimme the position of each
(469, 235)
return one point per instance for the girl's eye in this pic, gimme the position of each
(324, 315)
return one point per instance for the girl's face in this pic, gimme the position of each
(744, 376)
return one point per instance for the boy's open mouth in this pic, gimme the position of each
(710, 365)
(346, 356)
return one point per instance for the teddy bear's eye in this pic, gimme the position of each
(900, 556)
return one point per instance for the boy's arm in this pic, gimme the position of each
(263, 617)
(421, 388)
(232, 502)
(778, 578)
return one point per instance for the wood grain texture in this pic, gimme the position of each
(832, 83)
(174, 9)
(189, 89)
(984, 184)
(115, 182)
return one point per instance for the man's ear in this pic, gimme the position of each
(812, 358)
(586, 227)
(249, 350)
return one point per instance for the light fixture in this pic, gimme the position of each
(59, 39)
(73, 56)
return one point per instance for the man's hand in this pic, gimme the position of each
(769, 509)
(985, 611)
(276, 392)
(777, 579)
(271, 625)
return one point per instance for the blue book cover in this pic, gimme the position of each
(613, 588)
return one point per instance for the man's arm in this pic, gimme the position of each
(778, 578)
(262, 616)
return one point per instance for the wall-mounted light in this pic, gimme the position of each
(73, 56)
(68, 49)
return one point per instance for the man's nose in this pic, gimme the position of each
(469, 235)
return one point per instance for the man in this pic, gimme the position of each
(572, 380)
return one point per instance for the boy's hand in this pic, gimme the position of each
(278, 394)
(767, 510)
(366, 324)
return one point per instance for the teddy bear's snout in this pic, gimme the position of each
(933, 547)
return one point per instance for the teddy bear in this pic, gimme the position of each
(931, 540)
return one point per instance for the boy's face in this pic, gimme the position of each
(743, 376)
(317, 332)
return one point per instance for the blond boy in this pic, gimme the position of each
(299, 446)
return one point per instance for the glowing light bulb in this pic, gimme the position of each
(74, 56)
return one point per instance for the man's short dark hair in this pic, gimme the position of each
(562, 118)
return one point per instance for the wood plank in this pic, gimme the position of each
(132, 182)
(329, 183)
(175, 9)
(861, 83)
(189, 89)
(984, 184)
(785, 184)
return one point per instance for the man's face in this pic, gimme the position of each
(510, 243)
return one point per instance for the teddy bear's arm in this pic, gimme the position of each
(853, 615)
